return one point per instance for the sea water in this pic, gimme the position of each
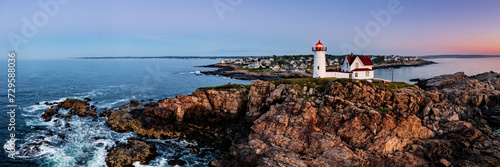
(471, 66)
(110, 83)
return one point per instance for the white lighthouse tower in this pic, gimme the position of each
(319, 70)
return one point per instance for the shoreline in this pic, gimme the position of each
(232, 71)
(417, 63)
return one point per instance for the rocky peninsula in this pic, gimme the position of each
(234, 71)
(416, 63)
(447, 120)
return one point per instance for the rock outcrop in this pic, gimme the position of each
(328, 122)
(233, 71)
(127, 154)
(210, 117)
(75, 107)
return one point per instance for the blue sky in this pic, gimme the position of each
(257, 27)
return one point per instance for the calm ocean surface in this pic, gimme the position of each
(471, 66)
(111, 83)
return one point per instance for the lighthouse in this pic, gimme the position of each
(319, 69)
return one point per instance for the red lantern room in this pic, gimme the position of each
(319, 47)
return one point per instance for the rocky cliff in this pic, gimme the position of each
(328, 122)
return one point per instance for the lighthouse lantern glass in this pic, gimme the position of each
(319, 46)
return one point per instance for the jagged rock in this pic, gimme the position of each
(176, 161)
(127, 154)
(206, 116)
(193, 150)
(134, 103)
(74, 104)
(80, 107)
(47, 115)
(102, 114)
(92, 112)
(67, 117)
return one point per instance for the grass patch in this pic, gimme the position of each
(399, 84)
(318, 83)
(382, 110)
(392, 85)
(348, 99)
(227, 87)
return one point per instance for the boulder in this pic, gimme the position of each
(47, 115)
(127, 154)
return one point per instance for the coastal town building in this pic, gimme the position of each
(255, 65)
(353, 67)
(275, 67)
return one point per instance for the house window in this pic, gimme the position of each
(368, 73)
(356, 75)
(318, 67)
(357, 65)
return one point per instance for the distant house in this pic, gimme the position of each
(275, 67)
(222, 61)
(265, 62)
(239, 61)
(252, 59)
(254, 65)
(391, 58)
(415, 58)
(302, 66)
(331, 62)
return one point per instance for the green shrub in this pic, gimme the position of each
(382, 110)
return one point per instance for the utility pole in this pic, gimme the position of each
(392, 80)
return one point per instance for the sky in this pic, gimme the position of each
(62, 29)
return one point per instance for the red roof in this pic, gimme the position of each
(350, 59)
(362, 69)
(364, 59)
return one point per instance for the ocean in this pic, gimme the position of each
(471, 66)
(111, 83)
